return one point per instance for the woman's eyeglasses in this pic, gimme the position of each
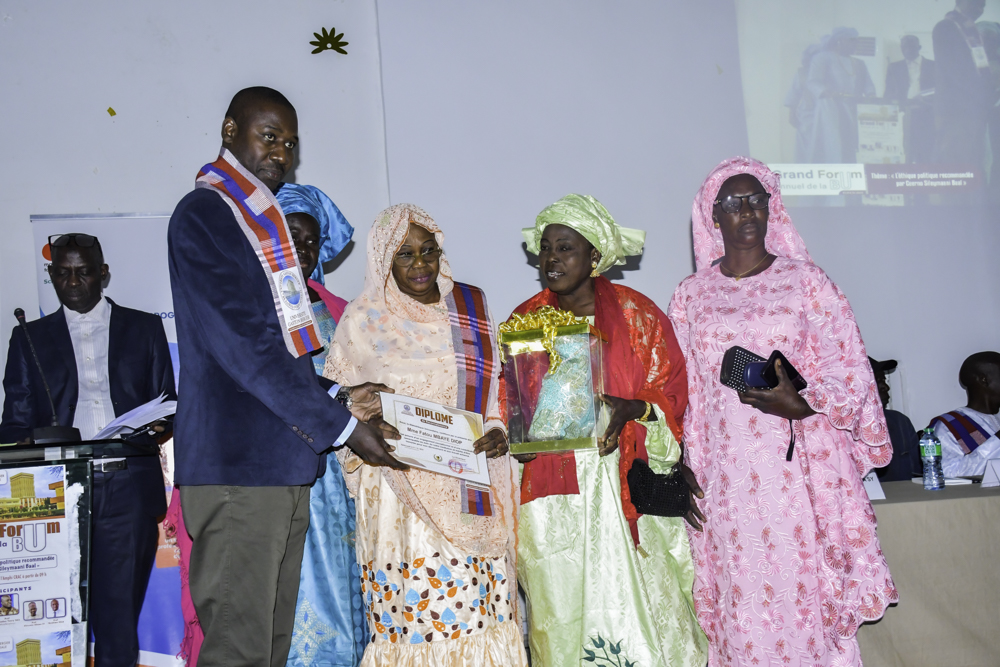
(406, 258)
(757, 201)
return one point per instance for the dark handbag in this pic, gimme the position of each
(742, 369)
(658, 495)
(734, 364)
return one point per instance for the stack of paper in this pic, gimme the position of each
(144, 414)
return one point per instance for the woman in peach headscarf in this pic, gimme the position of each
(438, 571)
(788, 565)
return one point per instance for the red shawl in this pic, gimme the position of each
(641, 343)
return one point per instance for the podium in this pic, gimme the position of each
(45, 537)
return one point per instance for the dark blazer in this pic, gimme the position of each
(249, 414)
(139, 370)
(897, 79)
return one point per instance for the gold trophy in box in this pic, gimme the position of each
(554, 373)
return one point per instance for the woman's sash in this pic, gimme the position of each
(259, 216)
(473, 337)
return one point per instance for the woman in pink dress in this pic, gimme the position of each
(788, 565)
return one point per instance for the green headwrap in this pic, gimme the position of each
(588, 217)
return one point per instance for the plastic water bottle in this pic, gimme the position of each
(930, 454)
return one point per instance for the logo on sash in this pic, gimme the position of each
(292, 296)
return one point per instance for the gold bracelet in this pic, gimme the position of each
(645, 415)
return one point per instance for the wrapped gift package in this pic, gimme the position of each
(554, 374)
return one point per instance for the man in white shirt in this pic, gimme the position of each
(100, 360)
(910, 83)
(970, 436)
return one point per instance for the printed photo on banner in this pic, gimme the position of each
(37, 648)
(34, 566)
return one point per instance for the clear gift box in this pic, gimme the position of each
(554, 375)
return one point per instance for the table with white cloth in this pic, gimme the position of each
(943, 549)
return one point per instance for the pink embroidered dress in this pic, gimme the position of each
(788, 565)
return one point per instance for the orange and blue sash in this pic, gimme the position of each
(260, 217)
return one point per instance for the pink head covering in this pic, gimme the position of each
(782, 239)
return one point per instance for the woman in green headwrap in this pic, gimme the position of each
(604, 583)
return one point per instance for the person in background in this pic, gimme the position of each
(800, 103)
(253, 424)
(963, 84)
(595, 571)
(836, 81)
(789, 564)
(910, 84)
(330, 627)
(905, 463)
(970, 436)
(101, 360)
(990, 32)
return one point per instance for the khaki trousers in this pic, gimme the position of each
(244, 569)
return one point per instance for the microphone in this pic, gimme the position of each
(55, 432)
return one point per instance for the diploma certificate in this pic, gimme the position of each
(436, 438)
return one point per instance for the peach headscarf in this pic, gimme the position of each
(386, 336)
(782, 239)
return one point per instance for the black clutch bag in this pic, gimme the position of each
(742, 370)
(657, 495)
(734, 365)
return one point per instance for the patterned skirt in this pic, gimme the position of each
(427, 603)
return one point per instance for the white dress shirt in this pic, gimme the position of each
(954, 461)
(90, 333)
(914, 67)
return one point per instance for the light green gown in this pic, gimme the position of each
(593, 597)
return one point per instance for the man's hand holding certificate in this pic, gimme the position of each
(437, 438)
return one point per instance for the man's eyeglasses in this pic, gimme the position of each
(406, 258)
(79, 240)
(757, 201)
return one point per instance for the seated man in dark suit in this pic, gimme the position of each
(905, 461)
(101, 360)
(253, 424)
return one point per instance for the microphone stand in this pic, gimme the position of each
(54, 433)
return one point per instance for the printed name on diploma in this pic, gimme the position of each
(436, 438)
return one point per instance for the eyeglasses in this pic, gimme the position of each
(79, 240)
(757, 201)
(406, 258)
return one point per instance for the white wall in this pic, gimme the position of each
(169, 70)
(494, 109)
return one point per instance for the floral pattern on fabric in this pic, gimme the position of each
(788, 565)
(416, 603)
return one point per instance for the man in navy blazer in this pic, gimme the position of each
(253, 425)
(101, 360)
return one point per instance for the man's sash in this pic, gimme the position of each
(259, 216)
(968, 432)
